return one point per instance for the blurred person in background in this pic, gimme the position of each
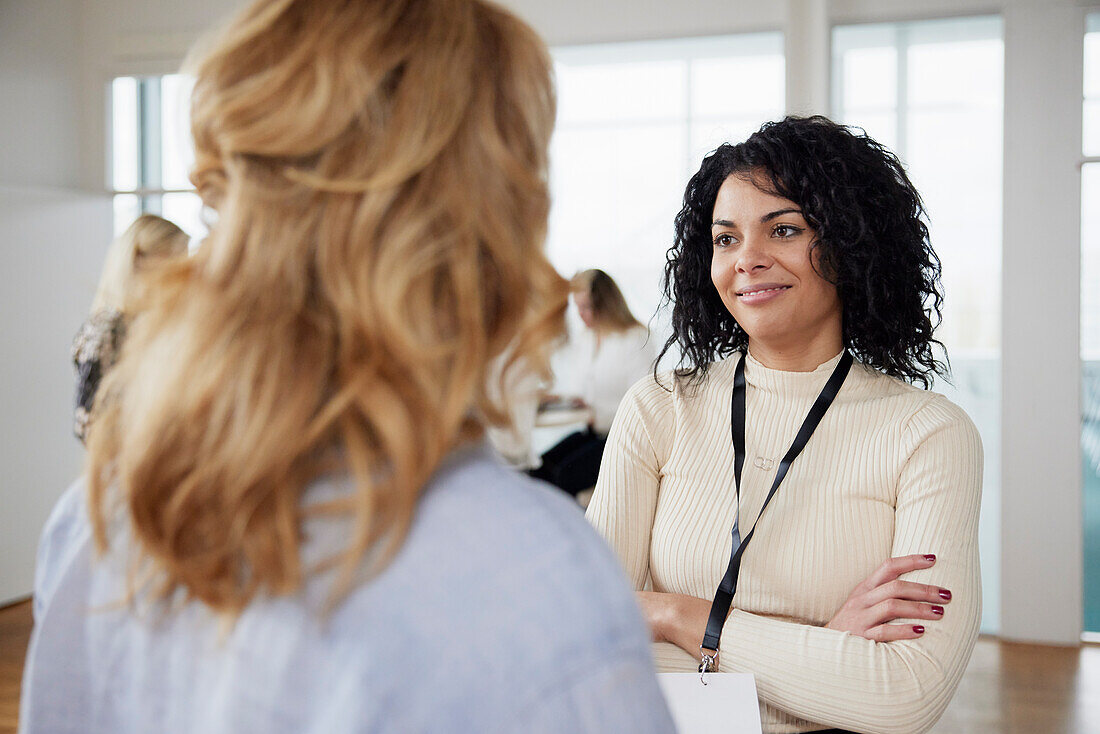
(289, 520)
(612, 354)
(147, 243)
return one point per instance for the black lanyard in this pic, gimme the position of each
(723, 598)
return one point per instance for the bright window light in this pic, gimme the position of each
(152, 153)
(1090, 325)
(933, 92)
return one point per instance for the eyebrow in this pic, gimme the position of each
(772, 215)
(766, 218)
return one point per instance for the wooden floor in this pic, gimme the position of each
(15, 631)
(1009, 688)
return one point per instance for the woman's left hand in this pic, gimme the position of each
(676, 618)
(882, 598)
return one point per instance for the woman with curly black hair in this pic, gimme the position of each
(805, 294)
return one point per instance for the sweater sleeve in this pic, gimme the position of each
(625, 500)
(842, 680)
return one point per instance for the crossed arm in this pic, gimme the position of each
(872, 611)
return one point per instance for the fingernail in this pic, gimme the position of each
(937, 609)
(930, 558)
(945, 594)
(918, 629)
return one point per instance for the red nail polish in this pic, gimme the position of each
(937, 609)
(945, 594)
(930, 558)
(918, 629)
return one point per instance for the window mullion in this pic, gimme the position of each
(150, 146)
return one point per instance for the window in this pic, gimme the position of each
(1090, 323)
(634, 122)
(933, 92)
(152, 152)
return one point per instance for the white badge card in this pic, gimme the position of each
(727, 704)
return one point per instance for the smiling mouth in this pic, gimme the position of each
(762, 290)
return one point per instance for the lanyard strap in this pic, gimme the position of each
(723, 598)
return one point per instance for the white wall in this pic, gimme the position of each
(52, 239)
(52, 243)
(567, 22)
(39, 104)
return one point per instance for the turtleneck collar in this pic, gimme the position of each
(789, 383)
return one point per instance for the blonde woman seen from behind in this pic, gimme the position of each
(147, 243)
(295, 525)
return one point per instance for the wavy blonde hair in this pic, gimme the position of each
(379, 171)
(148, 239)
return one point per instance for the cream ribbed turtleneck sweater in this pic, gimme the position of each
(891, 470)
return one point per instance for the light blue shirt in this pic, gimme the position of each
(503, 611)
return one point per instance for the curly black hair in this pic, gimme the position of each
(871, 241)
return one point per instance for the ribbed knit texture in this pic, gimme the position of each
(891, 470)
